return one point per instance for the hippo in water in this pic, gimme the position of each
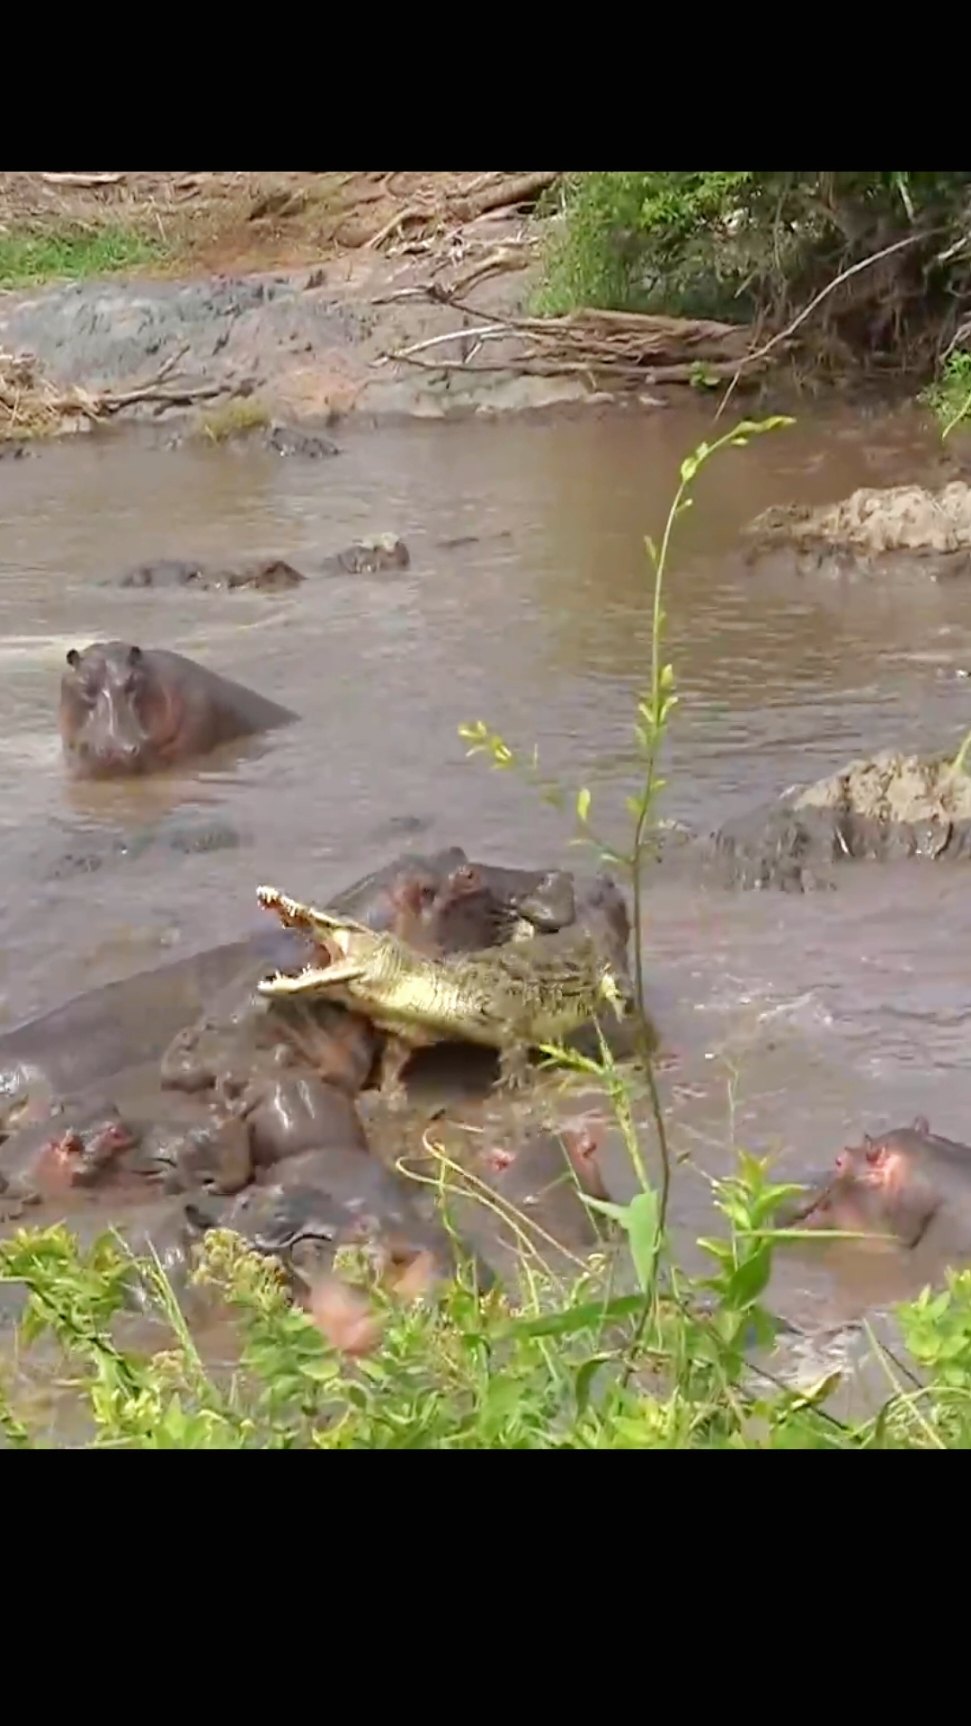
(910, 1185)
(126, 709)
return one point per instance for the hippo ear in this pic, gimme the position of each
(73, 657)
(134, 656)
(921, 1125)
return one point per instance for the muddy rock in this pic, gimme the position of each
(165, 572)
(113, 335)
(261, 575)
(887, 806)
(899, 529)
(93, 850)
(368, 556)
(293, 441)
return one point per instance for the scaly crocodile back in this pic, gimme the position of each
(530, 991)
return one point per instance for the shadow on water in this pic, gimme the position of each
(798, 1020)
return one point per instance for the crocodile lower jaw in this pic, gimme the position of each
(310, 980)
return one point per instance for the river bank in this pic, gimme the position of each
(230, 302)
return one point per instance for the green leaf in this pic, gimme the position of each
(583, 1383)
(750, 1277)
(586, 1317)
(583, 805)
(642, 1214)
(617, 1213)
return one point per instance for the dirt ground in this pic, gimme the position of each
(222, 223)
(319, 295)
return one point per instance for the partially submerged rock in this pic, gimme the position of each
(384, 551)
(876, 531)
(293, 441)
(265, 575)
(886, 806)
(368, 556)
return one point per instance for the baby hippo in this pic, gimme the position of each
(69, 1151)
(126, 709)
(544, 1176)
(298, 1112)
(212, 1153)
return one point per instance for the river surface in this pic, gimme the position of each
(800, 1021)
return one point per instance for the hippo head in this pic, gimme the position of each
(881, 1187)
(113, 713)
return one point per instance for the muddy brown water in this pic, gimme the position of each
(799, 1021)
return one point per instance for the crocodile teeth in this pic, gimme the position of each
(285, 981)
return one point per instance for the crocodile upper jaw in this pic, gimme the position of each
(332, 937)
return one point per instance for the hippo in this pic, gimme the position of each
(910, 1185)
(299, 1112)
(213, 1153)
(126, 709)
(323, 1199)
(106, 1031)
(242, 1034)
(74, 1148)
(473, 911)
(543, 1177)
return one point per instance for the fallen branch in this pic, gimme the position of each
(83, 179)
(522, 189)
(502, 259)
(31, 406)
(468, 204)
(629, 348)
(482, 333)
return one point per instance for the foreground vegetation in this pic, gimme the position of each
(566, 1365)
(860, 270)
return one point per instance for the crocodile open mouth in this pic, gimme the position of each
(330, 938)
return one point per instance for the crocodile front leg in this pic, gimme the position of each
(394, 1059)
(514, 1066)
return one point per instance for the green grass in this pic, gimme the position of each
(236, 417)
(28, 260)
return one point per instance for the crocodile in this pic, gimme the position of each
(512, 998)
